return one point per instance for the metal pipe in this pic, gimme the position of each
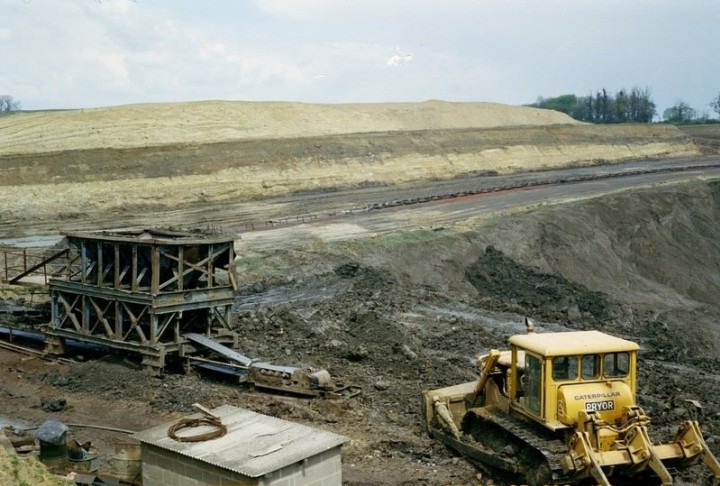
(89, 426)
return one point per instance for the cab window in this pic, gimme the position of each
(590, 366)
(565, 368)
(616, 365)
(533, 383)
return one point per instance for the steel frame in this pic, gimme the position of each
(141, 291)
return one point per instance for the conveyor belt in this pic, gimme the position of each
(305, 381)
(219, 348)
(233, 355)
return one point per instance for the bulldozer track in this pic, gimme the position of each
(552, 449)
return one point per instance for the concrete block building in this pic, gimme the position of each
(255, 450)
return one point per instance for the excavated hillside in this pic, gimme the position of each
(144, 158)
(394, 312)
(407, 312)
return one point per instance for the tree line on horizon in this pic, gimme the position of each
(625, 106)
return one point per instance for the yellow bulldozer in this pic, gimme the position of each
(560, 408)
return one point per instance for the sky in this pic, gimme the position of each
(92, 53)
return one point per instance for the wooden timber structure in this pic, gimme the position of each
(141, 291)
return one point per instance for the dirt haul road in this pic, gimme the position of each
(409, 300)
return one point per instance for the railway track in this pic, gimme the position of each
(491, 189)
(249, 217)
(23, 350)
(548, 182)
(31, 352)
(27, 350)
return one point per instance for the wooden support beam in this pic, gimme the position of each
(119, 321)
(155, 270)
(135, 281)
(100, 311)
(180, 265)
(85, 314)
(99, 278)
(83, 261)
(117, 276)
(166, 320)
(69, 311)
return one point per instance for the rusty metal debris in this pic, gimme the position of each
(258, 374)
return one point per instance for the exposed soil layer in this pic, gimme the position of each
(362, 149)
(80, 177)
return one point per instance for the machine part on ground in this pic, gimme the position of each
(301, 381)
(560, 408)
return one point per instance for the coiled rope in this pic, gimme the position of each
(208, 419)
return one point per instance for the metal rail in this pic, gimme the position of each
(235, 356)
(18, 263)
(228, 353)
(527, 184)
(32, 352)
(559, 180)
(22, 350)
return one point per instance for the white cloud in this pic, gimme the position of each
(128, 52)
(399, 58)
(357, 10)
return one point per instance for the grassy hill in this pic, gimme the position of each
(146, 125)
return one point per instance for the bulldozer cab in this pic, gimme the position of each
(554, 377)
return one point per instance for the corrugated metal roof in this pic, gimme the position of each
(254, 444)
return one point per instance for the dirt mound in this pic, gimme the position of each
(504, 285)
(107, 379)
(215, 121)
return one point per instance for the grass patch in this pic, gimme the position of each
(27, 471)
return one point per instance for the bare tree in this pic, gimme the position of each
(8, 104)
(715, 104)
